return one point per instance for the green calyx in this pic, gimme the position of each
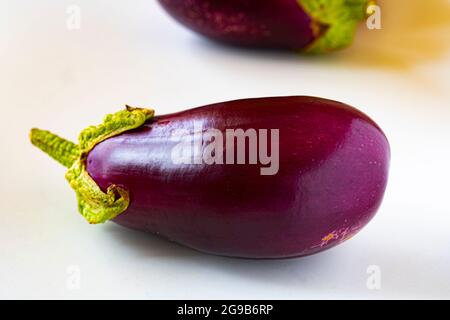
(93, 204)
(337, 20)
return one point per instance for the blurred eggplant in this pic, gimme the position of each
(315, 26)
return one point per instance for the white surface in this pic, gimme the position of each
(62, 80)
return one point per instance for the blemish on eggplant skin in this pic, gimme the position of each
(341, 235)
(328, 237)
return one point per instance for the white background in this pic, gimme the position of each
(131, 52)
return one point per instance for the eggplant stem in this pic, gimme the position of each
(338, 17)
(94, 204)
(64, 151)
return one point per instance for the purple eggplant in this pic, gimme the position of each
(258, 178)
(315, 26)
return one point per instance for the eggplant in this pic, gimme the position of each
(273, 177)
(315, 26)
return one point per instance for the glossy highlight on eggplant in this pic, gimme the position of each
(331, 177)
(315, 26)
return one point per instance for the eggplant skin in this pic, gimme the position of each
(251, 23)
(332, 175)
